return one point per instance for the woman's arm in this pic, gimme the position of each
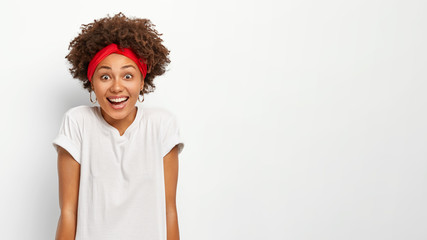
(69, 179)
(171, 178)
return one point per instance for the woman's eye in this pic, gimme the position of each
(128, 76)
(105, 77)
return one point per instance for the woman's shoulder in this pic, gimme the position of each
(80, 112)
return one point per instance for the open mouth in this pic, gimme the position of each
(118, 101)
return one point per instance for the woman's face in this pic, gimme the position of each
(117, 83)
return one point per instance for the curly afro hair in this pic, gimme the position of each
(134, 33)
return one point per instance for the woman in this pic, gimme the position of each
(118, 162)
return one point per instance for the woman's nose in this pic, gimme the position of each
(117, 85)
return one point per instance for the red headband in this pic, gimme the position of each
(113, 48)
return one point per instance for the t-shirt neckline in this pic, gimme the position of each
(115, 130)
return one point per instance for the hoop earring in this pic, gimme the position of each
(90, 97)
(141, 93)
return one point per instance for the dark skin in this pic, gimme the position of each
(69, 179)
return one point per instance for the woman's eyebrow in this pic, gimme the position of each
(127, 66)
(106, 67)
(109, 68)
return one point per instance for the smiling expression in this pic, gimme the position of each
(117, 83)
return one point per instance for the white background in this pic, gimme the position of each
(301, 119)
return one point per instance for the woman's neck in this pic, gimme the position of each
(120, 124)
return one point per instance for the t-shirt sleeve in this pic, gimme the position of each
(172, 136)
(69, 137)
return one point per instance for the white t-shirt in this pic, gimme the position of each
(122, 191)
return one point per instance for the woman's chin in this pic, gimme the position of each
(117, 112)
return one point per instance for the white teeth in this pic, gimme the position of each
(117, 99)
